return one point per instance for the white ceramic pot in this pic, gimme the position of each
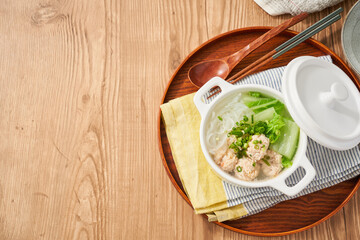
(277, 182)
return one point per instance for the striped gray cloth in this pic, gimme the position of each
(332, 167)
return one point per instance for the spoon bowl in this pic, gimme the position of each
(202, 72)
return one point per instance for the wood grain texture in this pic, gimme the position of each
(80, 86)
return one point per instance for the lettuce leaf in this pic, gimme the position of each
(286, 162)
(266, 103)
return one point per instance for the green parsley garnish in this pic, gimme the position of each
(273, 128)
(220, 118)
(254, 164)
(238, 168)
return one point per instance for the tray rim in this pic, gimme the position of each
(312, 41)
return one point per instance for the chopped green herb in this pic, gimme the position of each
(248, 129)
(239, 146)
(260, 127)
(238, 168)
(254, 164)
(255, 142)
(252, 118)
(266, 161)
(236, 132)
(245, 118)
(234, 146)
(260, 142)
(220, 118)
(256, 146)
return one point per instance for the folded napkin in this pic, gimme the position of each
(222, 201)
(294, 7)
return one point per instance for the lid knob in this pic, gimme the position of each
(338, 92)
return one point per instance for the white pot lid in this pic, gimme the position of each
(323, 101)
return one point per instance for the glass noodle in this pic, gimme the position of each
(230, 110)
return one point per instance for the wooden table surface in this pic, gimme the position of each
(80, 88)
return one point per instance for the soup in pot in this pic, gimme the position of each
(251, 136)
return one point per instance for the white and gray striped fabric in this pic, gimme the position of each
(332, 167)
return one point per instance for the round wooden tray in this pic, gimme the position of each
(309, 210)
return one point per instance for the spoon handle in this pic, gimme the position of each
(235, 58)
(291, 43)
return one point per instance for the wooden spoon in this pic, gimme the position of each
(202, 72)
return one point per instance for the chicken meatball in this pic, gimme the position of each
(247, 169)
(229, 161)
(230, 140)
(257, 147)
(220, 153)
(271, 166)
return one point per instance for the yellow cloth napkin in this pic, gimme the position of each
(204, 189)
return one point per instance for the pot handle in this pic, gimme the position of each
(309, 176)
(198, 98)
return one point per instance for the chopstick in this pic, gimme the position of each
(309, 35)
(290, 41)
(286, 46)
